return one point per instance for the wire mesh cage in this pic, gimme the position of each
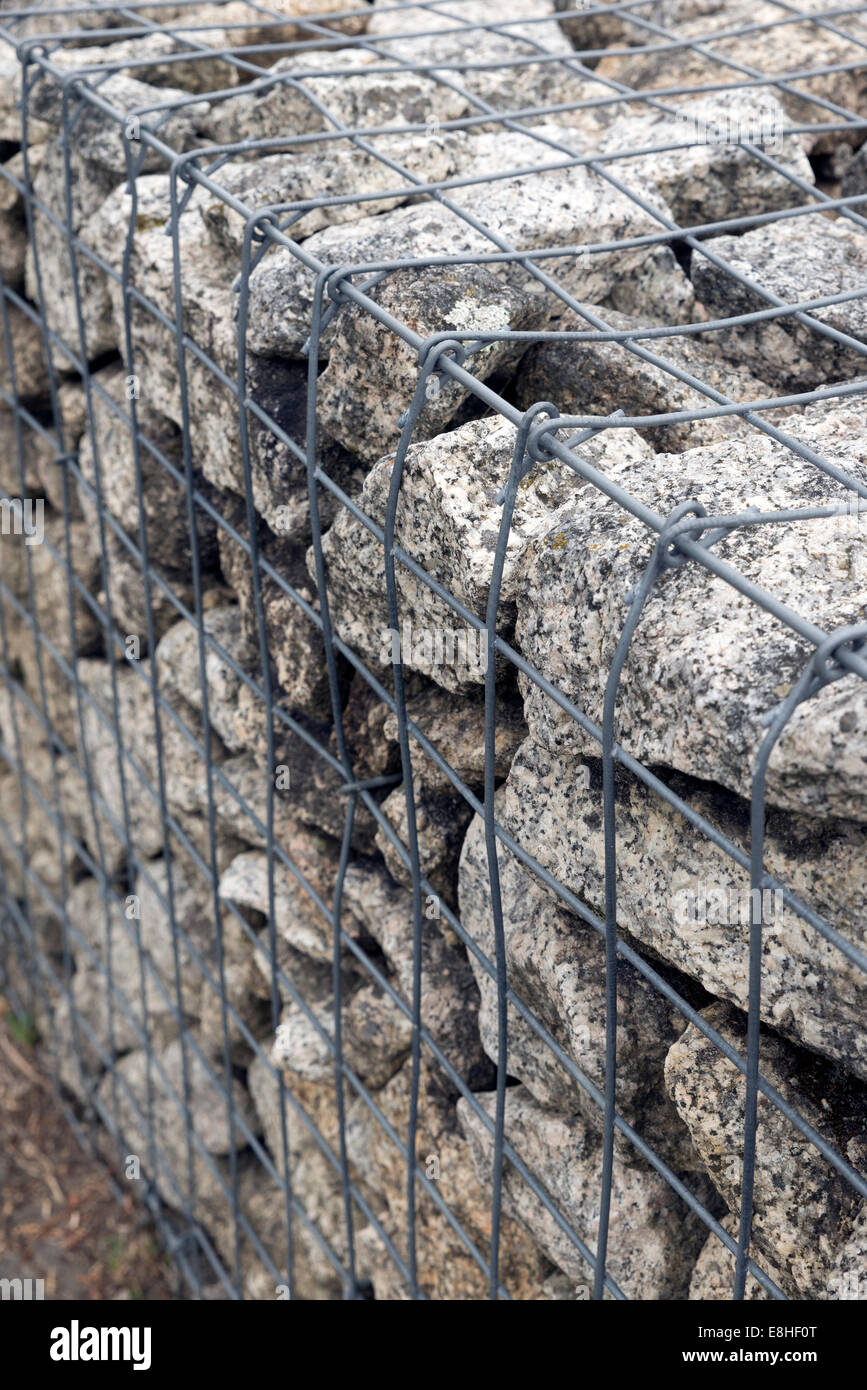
(432, 611)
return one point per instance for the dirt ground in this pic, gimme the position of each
(59, 1220)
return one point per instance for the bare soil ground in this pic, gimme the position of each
(59, 1220)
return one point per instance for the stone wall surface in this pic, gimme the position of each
(180, 812)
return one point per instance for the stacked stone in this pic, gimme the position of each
(163, 878)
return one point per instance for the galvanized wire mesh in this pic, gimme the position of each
(695, 533)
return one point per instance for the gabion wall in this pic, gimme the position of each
(432, 597)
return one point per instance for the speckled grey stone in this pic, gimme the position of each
(208, 1112)
(702, 672)
(447, 519)
(207, 309)
(248, 29)
(653, 1240)
(297, 918)
(49, 786)
(309, 791)
(103, 942)
(449, 995)
(201, 74)
(43, 476)
(294, 642)
(783, 48)
(329, 170)
(247, 999)
(342, 85)
(712, 177)
(503, 84)
(10, 96)
(446, 1269)
(28, 368)
(46, 566)
(713, 1278)
(183, 765)
(51, 16)
(41, 838)
(441, 820)
(50, 576)
(13, 223)
(606, 26)
(846, 1280)
(706, 663)
(803, 1209)
(556, 965)
(145, 917)
(80, 1034)
(548, 208)
(127, 588)
(72, 410)
(660, 857)
(278, 475)
(261, 1204)
(309, 788)
(796, 260)
(587, 378)
(364, 715)
(207, 305)
(102, 135)
(49, 258)
(456, 728)
(278, 388)
(178, 663)
(315, 1182)
(311, 978)
(372, 374)
(14, 553)
(107, 447)
(375, 1038)
(558, 1289)
(242, 811)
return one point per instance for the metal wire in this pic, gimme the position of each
(46, 58)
